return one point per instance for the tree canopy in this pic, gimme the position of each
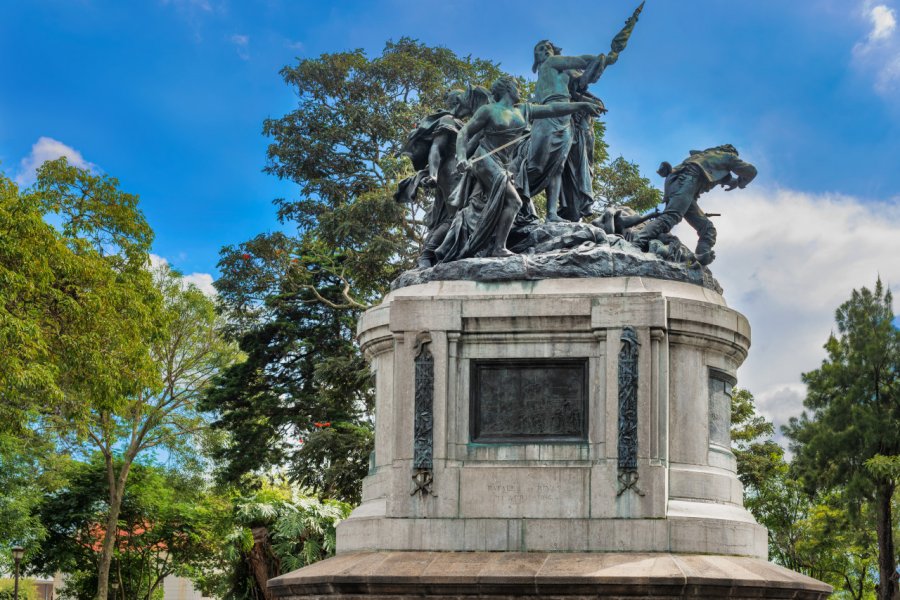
(850, 439)
(168, 524)
(811, 533)
(101, 353)
(76, 301)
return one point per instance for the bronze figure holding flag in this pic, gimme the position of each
(557, 159)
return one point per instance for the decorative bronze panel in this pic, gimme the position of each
(528, 400)
(423, 450)
(628, 393)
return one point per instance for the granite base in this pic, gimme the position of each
(503, 575)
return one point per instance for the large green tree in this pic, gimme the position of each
(301, 368)
(187, 351)
(168, 523)
(75, 299)
(104, 355)
(78, 308)
(817, 534)
(759, 457)
(850, 439)
(293, 300)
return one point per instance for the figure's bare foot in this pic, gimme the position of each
(705, 258)
(658, 248)
(553, 218)
(502, 253)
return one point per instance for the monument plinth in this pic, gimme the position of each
(552, 437)
(553, 400)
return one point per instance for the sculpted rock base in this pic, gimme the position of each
(564, 250)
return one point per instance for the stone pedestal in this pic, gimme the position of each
(561, 416)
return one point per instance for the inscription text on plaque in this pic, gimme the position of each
(528, 400)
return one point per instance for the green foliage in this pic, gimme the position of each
(775, 501)
(275, 530)
(817, 535)
(854, 398)
(168, 524)
(187, 352)
(850, 441)
(838, 548)
(76, 303)
(293, 302)
(620, 183)
(302, 367)
(95, 213)
(335, 458)
(21, 474)
(759, 457)
(79, 311)
(884, 467)
(100, 353)
(305, 532)
(341, 147)
(27, 589)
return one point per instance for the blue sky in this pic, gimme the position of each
(169, 96)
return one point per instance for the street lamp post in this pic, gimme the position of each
(114, 586)
(17, 552)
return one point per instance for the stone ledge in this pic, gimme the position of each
(501, 575)
(695, 534)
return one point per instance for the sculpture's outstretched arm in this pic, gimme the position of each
(745, 174)
(567, 63)
(561, 109)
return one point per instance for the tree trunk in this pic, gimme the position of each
(109, 540)
(259, 560)
(887, 571)
(116, 491)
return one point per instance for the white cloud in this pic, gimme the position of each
(242, 45)
(879, 52)
(47, 149)
(883, 22)
(202, 281)
(787, 260)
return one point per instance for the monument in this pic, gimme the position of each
(552, 399)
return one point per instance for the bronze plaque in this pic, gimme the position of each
(528, 400)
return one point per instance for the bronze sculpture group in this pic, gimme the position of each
(488, 154)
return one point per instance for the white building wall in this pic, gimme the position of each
(179, 588)
(174, 588)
